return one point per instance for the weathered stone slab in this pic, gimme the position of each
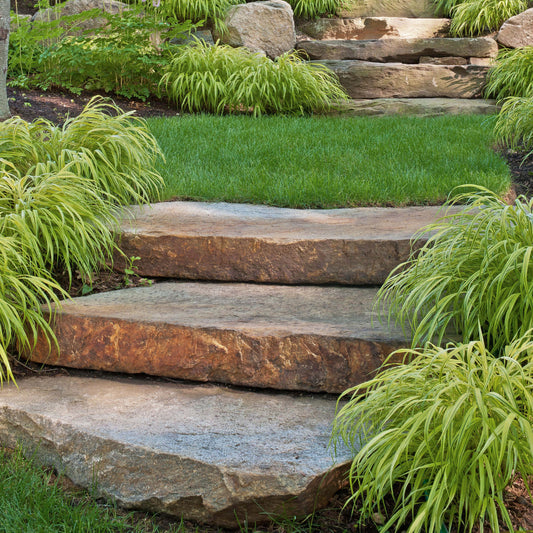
(322, 339)
(428, 107)
(400, 50)
(206, 453)
(444, 60)
(363, 79)
(236, 242)
(387, 8)
(517, 32)
(374, 28)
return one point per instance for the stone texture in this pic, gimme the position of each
(387, 8)
(374, 28)
(363, 79)
(202, 452)
(322, 339)
(236, 242)
(428, 107)
(400, 50)
(75, 7)
(444, 60)
(517, 32)
(266, 26)
(482, 61)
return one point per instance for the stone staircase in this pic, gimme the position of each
(279, 301)
(410, 60)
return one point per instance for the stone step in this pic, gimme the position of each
(457, 51)
(374, 28)
(392, 8)
(206, 453)
(427, 107)
(236, 242)
(364, 79)
(319, 339)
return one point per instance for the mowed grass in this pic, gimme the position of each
(327, 161)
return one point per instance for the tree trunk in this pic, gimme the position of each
(4, 45)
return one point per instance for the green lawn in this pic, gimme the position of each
(326, 161)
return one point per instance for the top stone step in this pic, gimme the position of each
(387, 8)
(237, 242)
(363, 28)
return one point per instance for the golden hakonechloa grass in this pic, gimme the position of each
(59, 192)
(221, 78)
(474, 273)
(442, 435)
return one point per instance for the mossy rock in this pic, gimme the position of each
(387, 8)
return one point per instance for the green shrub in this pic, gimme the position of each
(59, 189)
(512, 75)
(123, 57)
(473, 274)
(514, 127)
(113, 151)
(443, 435)
(221, 78)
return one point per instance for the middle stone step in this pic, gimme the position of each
(322, 339)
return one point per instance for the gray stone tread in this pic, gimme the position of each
(262, 310)
(318, 339)
(200, 450)
(275, 223)
(236, 242)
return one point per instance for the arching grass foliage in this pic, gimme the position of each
(221, 78)
(442, 435)
(59, 190)
(474, 17)
(474, 274)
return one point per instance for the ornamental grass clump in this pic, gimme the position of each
(512, 75)
(314, 8)
(442, 435)
(221, 79)
(59, 192)
(24, 286)
(474, 17)
(514, 126)
(112, 151)
(473, 274)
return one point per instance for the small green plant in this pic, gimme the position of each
(512, 75)
(514, 127)
(221, 78)
(314, 8)
(442, 435)
(473, 274)
(199, 10)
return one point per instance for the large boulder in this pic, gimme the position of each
(517, 32)
(75, 7)
(266, 26)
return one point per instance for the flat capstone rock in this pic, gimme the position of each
(318, 339)
(239, 242)
(206, 453)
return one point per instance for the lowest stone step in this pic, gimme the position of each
(323, 339)
(236, 242)
(203, 452)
